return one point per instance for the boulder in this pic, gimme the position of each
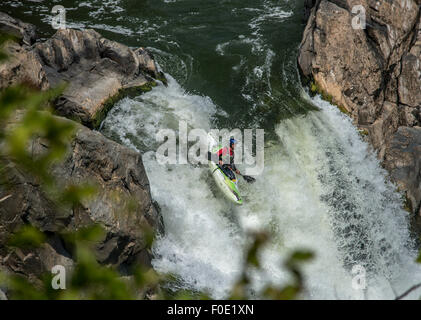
(24, 32)
(97, 72)
(120, 178)
(23, 65)
(385, 125)
(358, 68)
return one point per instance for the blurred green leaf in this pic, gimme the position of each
(4, 37)
(289, 292)
(22, 289)
(90, 234)
(259, 240)
(27, 237)
(145, 276)
(97, 282)
(76, 194)
(299, 256)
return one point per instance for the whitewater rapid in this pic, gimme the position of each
(322, 189)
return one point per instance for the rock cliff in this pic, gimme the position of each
(118, 174)
(374, 74)
(97, 71)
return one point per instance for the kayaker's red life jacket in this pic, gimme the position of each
(224, 151)
(230, 168)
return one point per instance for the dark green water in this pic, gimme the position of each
(240, 53)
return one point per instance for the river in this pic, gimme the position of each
(232, 64)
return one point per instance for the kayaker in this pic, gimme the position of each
(230, 167)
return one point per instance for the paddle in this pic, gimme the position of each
(248, 178)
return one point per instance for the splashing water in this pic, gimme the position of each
(321, 189)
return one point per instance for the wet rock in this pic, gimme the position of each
(97, 71)
(403, 160)
(121, 181)
(24, 32)
(23, 65)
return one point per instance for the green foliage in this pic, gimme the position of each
(293, 265)
(32, 123)
(316, 89)
(22, 288)
(92, 234)
(27, 237)
(363, 132)
(89, 280)
(252, 257)
(4, 38)
(76, 194)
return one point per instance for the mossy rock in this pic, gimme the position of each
(109, 104)
(316, 89)
(161, 77)
(363, 132)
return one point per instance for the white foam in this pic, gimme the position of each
(322, 189)
(295, 198)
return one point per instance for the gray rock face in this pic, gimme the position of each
(403, 161)
(23, 66)
(25, 32)
(2, 295)
(119, 175)
(97, 71)
(409, 82)
(374, 73)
